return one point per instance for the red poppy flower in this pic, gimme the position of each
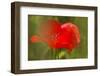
(56, 35)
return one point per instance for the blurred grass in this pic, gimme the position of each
(41, 51)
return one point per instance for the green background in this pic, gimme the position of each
(41, 51)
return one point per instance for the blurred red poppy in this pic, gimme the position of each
(58, 35)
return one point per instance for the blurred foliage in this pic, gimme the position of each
(41, 51)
